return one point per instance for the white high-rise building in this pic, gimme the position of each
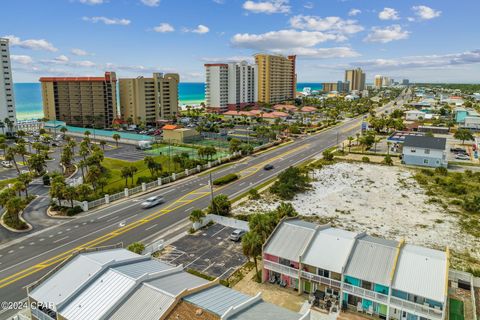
(7, 98)
(230, 86)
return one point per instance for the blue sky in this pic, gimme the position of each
(423, 40)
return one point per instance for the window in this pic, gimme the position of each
(425, 161)
(427, 151)
(412, 150)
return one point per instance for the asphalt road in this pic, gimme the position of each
(25, 260)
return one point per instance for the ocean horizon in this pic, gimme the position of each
(28, 96)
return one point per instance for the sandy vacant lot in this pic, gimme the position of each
(383, 201)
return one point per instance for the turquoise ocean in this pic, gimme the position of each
(28, 97)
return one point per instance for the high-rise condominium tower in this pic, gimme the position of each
(7, 98)
(356, 77)
(277, 80)
(230, 86)
(149, 99)
(82, 101)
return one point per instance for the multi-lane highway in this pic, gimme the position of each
(25, 260)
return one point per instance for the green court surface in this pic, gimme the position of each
(167, 150)
(456, 310)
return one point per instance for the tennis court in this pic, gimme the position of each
(456, 310)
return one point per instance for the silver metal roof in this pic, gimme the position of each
(264, 310)
(177, 282)
(290, 239)
(217, 299)
(330, 249)
(145, 303)
(422, 271)
(63, 283)
(136, 270)
(99, 297)
(373, 260)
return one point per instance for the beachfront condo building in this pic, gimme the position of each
(329, 86)
(81, 101)
(7, 98)
(356, 77)
(148, 100)
(277, 80)
(230, 86)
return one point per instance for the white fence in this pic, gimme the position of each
(224, 221)
(155, 184)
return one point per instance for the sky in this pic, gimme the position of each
(422, 40)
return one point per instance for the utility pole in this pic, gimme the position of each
(210, 182)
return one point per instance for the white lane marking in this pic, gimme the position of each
(69, 229)
(21, 247)
(11, 251)
(111, 219)
(186, 210)
(32, 243)
(58, 240)
(151, 227)
(50, 236)
(41, 239)
(59, 232)
(241, 184)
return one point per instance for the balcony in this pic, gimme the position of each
(280, 268)
(365, 293)
(415, 308)
(320, 279)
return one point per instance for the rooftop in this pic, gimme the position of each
(425, 142)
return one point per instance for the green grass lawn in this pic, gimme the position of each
(456, 310)
(4, 183)
(114, 167)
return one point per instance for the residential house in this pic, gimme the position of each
(425, 151)
(382, 278)
(414, 115)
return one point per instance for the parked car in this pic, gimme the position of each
(6, 164)
(462, 157)
(458, 150)
(237, 235)
(268, 167)
(24, 171)
(152, 201)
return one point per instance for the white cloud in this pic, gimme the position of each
(21, 59)
(426, 13)
(249, 59)
(308, 5)
(92, 1)
(79, 52)
(283, 39)
(335, 25)
(62, 58)
(354, 12)
(267, 6)
(427, 61)
(33, 44)
(387, 34)
(201, 29)
(85, 64)
(219, 1)
(388, 14)
(320, 53)
(107, 21)
(151, 3)
(163, 28)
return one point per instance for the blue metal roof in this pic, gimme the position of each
(217, 299)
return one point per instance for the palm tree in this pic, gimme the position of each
(133, 170)
(252, 248)
(93, 174)
(82, 164)
(350, 139)
(10, 156)
(71, 144)
(2, 126)
(26, 179)
(36, 162)
(125, 173)
(358, 136)
(14, 206)
(151, 164)
(18, 186)
(63, 130)
(116, 137)
(196, 216)
(21, 150)
(103, 143)
(70, 193)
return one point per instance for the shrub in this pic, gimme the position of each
(73, 211)
(327, 155)
(225, 179)
(472, 204)
(144, 179)
(289, 183)
(365, 159)
(220, 205)
(136, 247)
(388, 160)
(253, 194)
(427, 172)
(441, 171)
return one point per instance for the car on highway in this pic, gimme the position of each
(6, 164)
(152, 201)
(268, 167)
(462, 157)
(237, 235)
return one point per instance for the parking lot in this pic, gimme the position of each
(208, 251)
